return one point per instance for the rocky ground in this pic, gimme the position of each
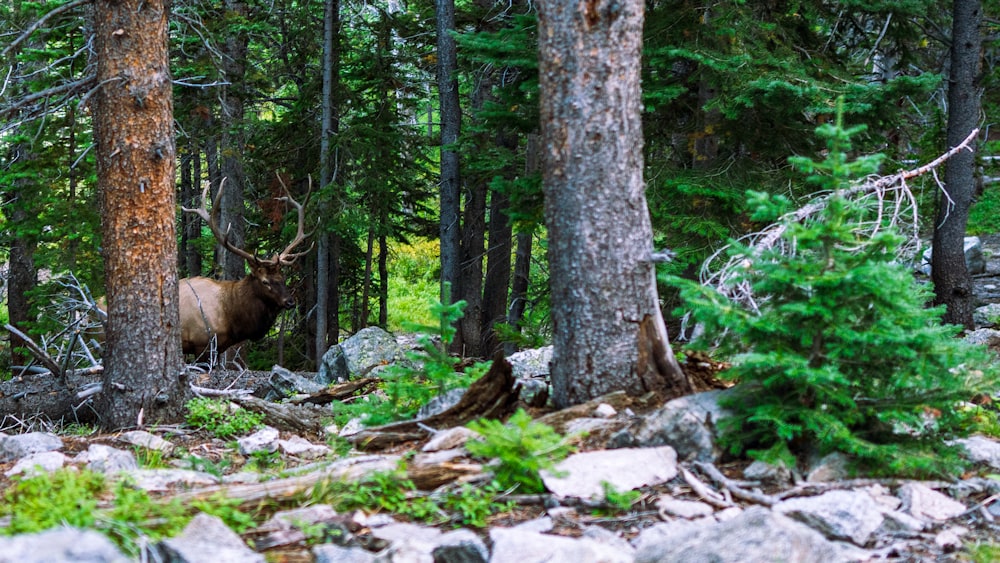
(694, 504)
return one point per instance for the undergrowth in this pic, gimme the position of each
(221, 418)
(843, 354)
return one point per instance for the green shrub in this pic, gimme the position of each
(522, 447)
(222, 418)
(843, 354)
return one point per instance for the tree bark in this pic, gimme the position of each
(451, 122)
(952, 281)
(144, 378)
(609, 332)
(233, 144)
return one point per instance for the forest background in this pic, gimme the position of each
(730, 91)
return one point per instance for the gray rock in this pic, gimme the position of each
(987, 315)
(441, 403)
(301, 448)
(974, 259)
(358, 355)
(921, 501)
(147, 440)
(407, 542)
(980, 449)
(512, 545)
(34, 464)
(207, 539)
(775, 473)
(528, 364)
(624, 469)
(840, 515)
(105, 459)
(687, 424)
(284, 383)
(297, 517)
(678, 508)
(60, 544)
(460, 546)
(16, 446)
(263, 440)
(982, 336)
(831, 467)
(755, 536)
(331, 553)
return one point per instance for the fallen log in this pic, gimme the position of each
(494, 395)
(286, 416)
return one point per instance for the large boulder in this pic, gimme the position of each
(687, 424)
(974, 259)
(359, 356)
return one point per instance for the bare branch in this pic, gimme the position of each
(36, 351)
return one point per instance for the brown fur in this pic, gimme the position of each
(231, 311)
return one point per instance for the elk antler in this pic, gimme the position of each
(285, 257)
(213, 221)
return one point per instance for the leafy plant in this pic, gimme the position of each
(843, 354)
(473, 505)
(390, 491)
(619, 501)
(408, 388)
(263, 460)
(221, 418)
(522, 447)
(64, 497)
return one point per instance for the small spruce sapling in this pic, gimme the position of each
(843, 354)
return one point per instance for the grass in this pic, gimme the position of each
(984, 217)
(413, 284)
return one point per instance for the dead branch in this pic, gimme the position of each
(40, 22)
(37, 351)
(737, 491)
(889, 196)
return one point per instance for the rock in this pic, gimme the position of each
(686, 423)
(605, 410)
(441, 403)
(756, 536)
(980, 449)
(298, 517)
(831, 467)
(768, 473)
(60, 544)
(460, 546)
(951, 539)
(352, 427)
(539, 525)
(105, 459)
(921, 501)
(147, 440)
(34, 464)
(987, 315)
(407, 543)
(974, 259)
(331, 553)
(665, 533)
(207, 539)
(263, 440)
(284, 383)
(840, 515)
(690, 509)
(511, 545)
(982, 336)
(16, 446)
(301, 448)
(530, 364)
(358, 355)
(623, 469)
(449, 439)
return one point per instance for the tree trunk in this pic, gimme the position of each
(144, 378)
(451, 122)
(609, 333)
(233, 94)
(496, 284)
(23, 273)
(952, 281)
(326, 263)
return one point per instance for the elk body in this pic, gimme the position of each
(219, 314)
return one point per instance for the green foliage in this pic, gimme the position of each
(619, 501)
(414, 282)
(126, 514)
(221, 418)
(473, 505)
(984, 216)
(409, 388)
(522, 448)
(983, 552)
(843, 355)
(149, 458)
(390, 491)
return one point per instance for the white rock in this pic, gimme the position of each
(690, 509)
(34, 464)
(302, 448)
(849, 515)
(263, 440)
(449, 439)
(625, 469)
(923, 502)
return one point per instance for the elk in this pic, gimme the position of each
(225, 313)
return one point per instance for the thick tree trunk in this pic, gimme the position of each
(952, 281)
(144, 378)
(234, 69)
(23, 276)
(609, 333)
(451, 121)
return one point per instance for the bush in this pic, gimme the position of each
(843, 355)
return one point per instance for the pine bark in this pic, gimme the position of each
(609, 333)
(144, 378)
(451, 122)
(952, 281)
(233, 143)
